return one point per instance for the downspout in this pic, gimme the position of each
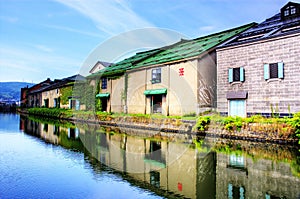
(152, 103)
(125, 92)
(110, 95)
(145, 105)
(168, 98)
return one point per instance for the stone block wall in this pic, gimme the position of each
(283, 95)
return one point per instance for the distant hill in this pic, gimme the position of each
(12, 90)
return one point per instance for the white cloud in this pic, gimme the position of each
(207, 28)
(9, 19)
(73, 30)
(34, 64)
(43, 48)
(111, 17)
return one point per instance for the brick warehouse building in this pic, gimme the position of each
(258, 72)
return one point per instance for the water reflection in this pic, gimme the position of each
(179, 169)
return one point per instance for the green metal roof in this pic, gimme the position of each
(155, 91)
(191, 48)
(155, 163)
(102, 95)
(183, 49)
(120, 67)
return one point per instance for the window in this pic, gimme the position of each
(236, 74)
(55, 102)
(155, 178)
(293, 10)
(286, 12)
(46, 103)
(236, 161)
(290, 11)
(156, 76)
(235, 192)
(274, 70)
(103, 83)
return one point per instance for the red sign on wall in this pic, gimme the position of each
(179, 186)
(181, 71)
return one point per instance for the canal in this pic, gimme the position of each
(43, 158)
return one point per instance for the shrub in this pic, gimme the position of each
(51, 112)
(232, 123)
(202, 123)
(295, 123)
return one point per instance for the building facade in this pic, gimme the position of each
(174, 80)
(31, 97)
(258, 71)
(52, 94)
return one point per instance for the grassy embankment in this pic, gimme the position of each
(288, 127)
(285, 128)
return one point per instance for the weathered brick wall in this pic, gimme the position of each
(262, 94)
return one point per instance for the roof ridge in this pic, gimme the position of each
(224, 31)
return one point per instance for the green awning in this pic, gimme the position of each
(102, 95)
(155, 91)
(155, 163)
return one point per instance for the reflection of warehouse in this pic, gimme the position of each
(166, 165)
(175, 168)
(237, 177)
(67, 137)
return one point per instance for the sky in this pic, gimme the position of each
(54, 38)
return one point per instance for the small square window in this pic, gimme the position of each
(273, 70)
(236, 74)
(286, 13)
(103, 83)
(156, 76)
(293, 10)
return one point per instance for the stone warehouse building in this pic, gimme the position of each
(174, 80)
(49, 94)
(258, 72)
(30, 97)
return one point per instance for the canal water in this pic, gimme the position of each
(42, 158)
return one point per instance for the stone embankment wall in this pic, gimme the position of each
(256, 132)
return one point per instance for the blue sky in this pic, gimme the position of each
(53, 38)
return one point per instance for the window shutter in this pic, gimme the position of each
(242, 74)
(280, 70)
(230, 75)
(266, 71)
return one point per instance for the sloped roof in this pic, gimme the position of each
(122, 66)
(103, 63)
(274, 26)
(58, 83)
(186, 49)
(182, 50)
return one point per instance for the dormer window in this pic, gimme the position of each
(290, 10)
